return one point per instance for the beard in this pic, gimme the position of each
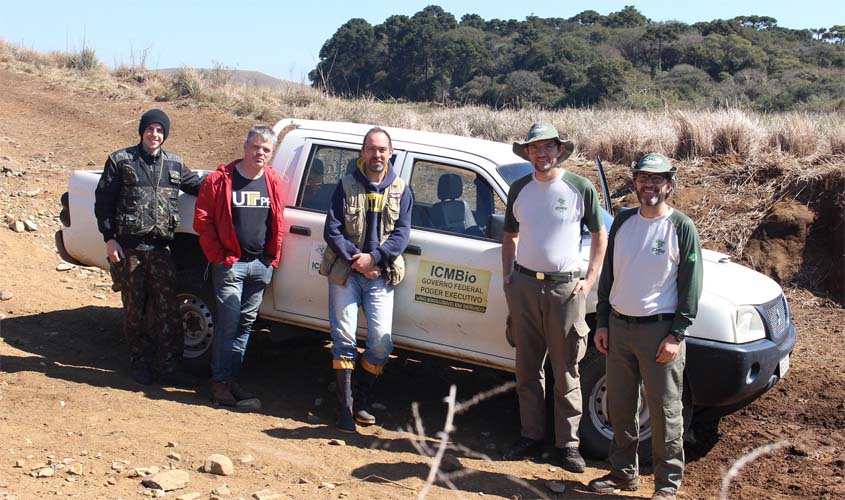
(376, 166)
(651, 199)
(544, 167)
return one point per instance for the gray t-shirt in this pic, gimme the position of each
(548, 217)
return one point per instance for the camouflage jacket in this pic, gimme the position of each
(136, 200)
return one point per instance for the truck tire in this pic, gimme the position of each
(594, 430)
(196, 310)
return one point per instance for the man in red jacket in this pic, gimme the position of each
(239, 218)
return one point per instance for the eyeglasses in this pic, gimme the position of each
(548, 148)
(656, 179)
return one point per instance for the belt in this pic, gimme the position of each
(556, 277)
(644, 319)
(249, 257)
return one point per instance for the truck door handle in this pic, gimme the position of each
(304, 231)
(413, 250)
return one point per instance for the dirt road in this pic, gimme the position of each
(68, 405)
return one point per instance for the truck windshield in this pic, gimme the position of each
(514, 171)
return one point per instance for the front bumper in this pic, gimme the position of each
(733, 375)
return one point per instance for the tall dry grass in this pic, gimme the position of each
(617, 136)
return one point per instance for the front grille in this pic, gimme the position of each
(776, 316)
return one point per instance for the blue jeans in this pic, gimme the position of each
(377, 301)
(238, 291)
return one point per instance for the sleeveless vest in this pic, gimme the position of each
(149, 194)
(354, 225)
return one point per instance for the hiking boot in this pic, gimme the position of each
(221, 395)
(239, 392)
(570, 459)
(612, 484)
(361, 405)
(345, 422)
(525, 448)
(142, 374)
(664, 495)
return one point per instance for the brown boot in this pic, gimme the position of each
(239, 392)
(612, 484)
(221, 395)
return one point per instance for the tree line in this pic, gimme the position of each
(622, 59)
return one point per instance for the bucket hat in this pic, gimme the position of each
(540, 131)
(654, 163)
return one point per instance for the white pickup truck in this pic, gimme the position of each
(451, 303)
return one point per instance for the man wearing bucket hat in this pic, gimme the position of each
(648, 296)
(137, 210)
(546, 291)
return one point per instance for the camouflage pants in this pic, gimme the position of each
(150, 309)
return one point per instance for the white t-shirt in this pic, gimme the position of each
(645, 266)
(548, 217)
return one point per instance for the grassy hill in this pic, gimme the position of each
(765, 188)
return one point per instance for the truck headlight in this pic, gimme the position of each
(749, 325)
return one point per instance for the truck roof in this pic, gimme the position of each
(497, 152)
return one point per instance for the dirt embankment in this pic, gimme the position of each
(66, 401)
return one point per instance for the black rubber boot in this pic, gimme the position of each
(345, 422)
(363, 392)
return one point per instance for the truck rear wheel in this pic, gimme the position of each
(196, 310)
(595, 430)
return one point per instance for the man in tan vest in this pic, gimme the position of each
(368, 226)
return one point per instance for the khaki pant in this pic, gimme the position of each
(548, 320)
(631, 358)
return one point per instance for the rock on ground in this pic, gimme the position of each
(170, 480)
(218, 464)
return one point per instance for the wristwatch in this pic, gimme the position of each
(679, 336)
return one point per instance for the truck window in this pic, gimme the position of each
(454, 200)
(326, 166)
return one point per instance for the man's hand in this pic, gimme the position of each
(600, 339)
(365, 264)
(507, 278)
(584, 285)
(114, 252)
(668, 349)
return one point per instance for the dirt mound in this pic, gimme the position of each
(802, 241)
(777, 246)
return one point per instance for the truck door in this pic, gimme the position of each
(451, 301)
(300, 294)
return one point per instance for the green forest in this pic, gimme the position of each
(619, 60)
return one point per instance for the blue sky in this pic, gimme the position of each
(284, 40)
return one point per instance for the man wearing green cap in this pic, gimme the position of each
(545, 290)
(648, 296)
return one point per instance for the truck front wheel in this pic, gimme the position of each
(196, 310)
(595, 430)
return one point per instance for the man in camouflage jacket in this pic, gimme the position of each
(137, 211)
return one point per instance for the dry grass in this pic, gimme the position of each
(618, 136)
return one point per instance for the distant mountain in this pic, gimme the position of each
(237, 76)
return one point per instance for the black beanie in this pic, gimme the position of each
(154, 116)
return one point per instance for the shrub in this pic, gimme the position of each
(84, 60)
(188, 84)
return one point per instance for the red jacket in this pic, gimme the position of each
(213, 217)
